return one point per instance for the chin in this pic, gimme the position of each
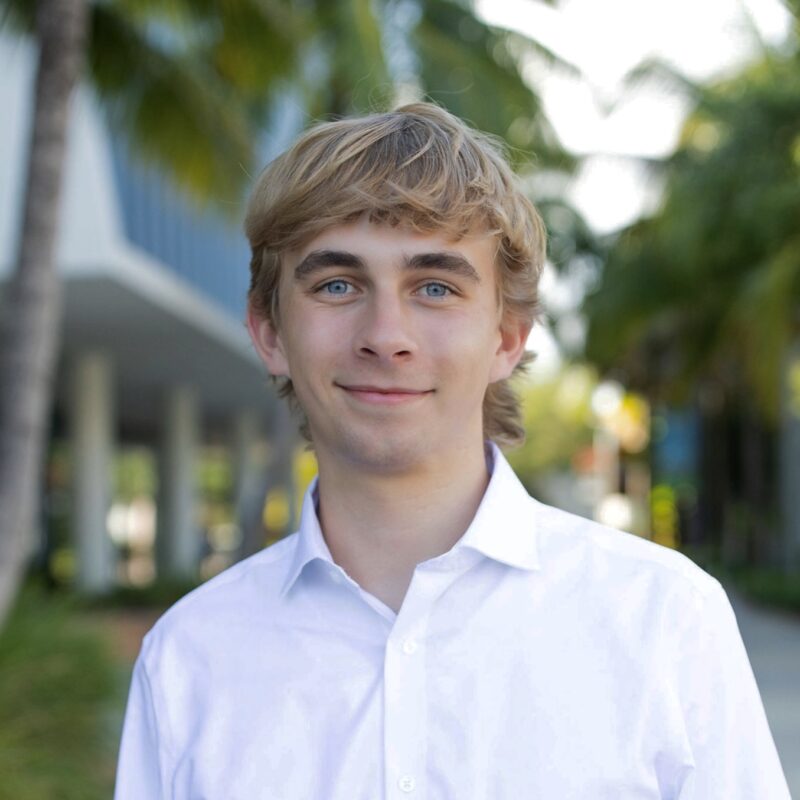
(384, 452)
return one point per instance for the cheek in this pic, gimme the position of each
(316, 355)
(312, 338)
(465, 347)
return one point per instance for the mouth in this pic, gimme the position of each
(380, 395)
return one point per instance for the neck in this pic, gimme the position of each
(378, 527)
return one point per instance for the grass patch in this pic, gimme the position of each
(61, 701)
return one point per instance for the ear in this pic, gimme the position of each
(513, 336)
(268, 343)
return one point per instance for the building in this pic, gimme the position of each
(153, 345)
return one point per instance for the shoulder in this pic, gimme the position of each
(230, 601)
(611, 557)
(648, 600)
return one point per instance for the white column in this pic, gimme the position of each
(91, 411)
(250, 456)
(178, 539)
(285, 437)
(245, 435)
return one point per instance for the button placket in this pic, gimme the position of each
(405, 687)
(410, 646)
(405, 707)
(406, 784)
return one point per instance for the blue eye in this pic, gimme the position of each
(436, 290)
(335, 287)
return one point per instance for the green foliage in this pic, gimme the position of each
(215, 481)
(475, 70)
(709, 288)
(60, 697)
(134, 474)
(173, 103)
(768, 586)
(570, 239)
(558, 421)
(190, 84)
(348, 36)
(158, 596)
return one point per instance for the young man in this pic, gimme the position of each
(431, 631)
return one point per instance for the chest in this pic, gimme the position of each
(478, 706)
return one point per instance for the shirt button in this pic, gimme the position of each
(409, 646)
(407, 783)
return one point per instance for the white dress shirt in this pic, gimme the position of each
(544, 656)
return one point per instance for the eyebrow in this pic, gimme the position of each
(450, 262)
(322, 259)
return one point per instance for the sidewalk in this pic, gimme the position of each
(772, 639)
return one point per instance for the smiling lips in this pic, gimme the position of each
(377, 395)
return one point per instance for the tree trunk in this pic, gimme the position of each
(789, 458)
(757, 482)
(712, 469)
(32, 302)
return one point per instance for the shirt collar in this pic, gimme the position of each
(503, 528)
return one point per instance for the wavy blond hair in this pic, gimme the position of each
(417, 166)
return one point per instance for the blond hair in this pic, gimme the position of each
(417, 166)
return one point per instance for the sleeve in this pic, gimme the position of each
(734, 754)
(140, 764)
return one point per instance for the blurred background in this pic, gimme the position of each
(142, 447)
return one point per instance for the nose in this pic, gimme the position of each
(385, 331)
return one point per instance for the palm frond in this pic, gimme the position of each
(474, 70)
(171, 106)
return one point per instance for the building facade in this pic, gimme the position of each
(153, 347)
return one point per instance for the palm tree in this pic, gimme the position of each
(701, 303)
(189, 84)
(170, 98)
(32, 303)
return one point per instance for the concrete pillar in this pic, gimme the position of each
(284, 439)
(244, 434)
(250, 474)
(178, 542)
(91, 412)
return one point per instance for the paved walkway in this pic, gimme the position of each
(772, 640)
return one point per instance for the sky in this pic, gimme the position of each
(610, 124)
